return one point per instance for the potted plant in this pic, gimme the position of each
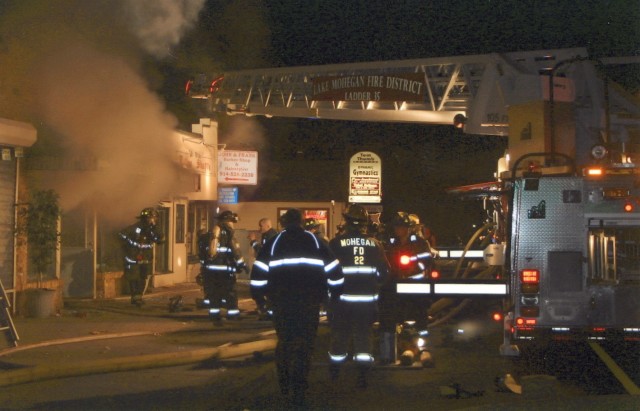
(39, 223)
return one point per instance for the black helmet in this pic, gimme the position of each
(228, 216)
(147, 213)
(310, 223)
(356, 214)
(401, 219)
(293, 217)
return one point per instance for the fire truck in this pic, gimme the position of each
(564, 207)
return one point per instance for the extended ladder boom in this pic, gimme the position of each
(479, 87)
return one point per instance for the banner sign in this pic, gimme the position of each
(365, 178)
(238, 167)
(192, 155)
(397, 87)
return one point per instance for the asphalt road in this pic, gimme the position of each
(463, 377)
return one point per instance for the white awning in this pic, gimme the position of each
(16, 133)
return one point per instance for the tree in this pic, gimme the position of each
(39, 222)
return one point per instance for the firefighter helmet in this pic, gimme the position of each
(228, 216)
(401, 219)
(310, 223)
(356, 214)
(148, 213)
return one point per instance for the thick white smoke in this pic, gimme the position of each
(159, 24)
(72, 67)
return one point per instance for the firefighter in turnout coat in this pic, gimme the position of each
(410, 259)
(220, 259)
(351, 318)
(294, 271)
(137, 241)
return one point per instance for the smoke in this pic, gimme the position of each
(73, 66)
(244, 133)
(103, 108)
(159, 24)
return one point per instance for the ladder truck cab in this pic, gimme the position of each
(564, 207)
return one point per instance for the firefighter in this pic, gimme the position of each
(410, 260)
(351, 318)
(220, 260)
(416, 227)
(294, 272)
(313, 225)
(138, 240)
(267, 232)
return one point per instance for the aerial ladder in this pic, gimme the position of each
(472, 92)
(555, 107)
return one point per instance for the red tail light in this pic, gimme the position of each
(530, 281)
(530, 276)
(405, 259)
(525, 322)
(498, 317)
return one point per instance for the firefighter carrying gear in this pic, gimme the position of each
(220, 260)
(137, 241)
(351, 317)
(294, 271)
(410, 259)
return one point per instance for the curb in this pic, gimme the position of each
(40, 373)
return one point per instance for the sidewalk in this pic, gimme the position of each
(91, 336)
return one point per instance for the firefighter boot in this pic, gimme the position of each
(387, 348)
(334, 372)
(361, 379)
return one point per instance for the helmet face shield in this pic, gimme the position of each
(228, 216)
(310, 223)
(356, 215)
(401, 219)
(148, 214)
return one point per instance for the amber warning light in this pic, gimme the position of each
(595, 171)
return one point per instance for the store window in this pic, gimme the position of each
(320, 214)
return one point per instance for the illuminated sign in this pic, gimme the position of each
(396, 87)
(228, 195)
(238, 167)
(365, 178)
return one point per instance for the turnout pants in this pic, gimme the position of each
(352, 321)
(296, 327)
(136, 275)
(219, 290)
